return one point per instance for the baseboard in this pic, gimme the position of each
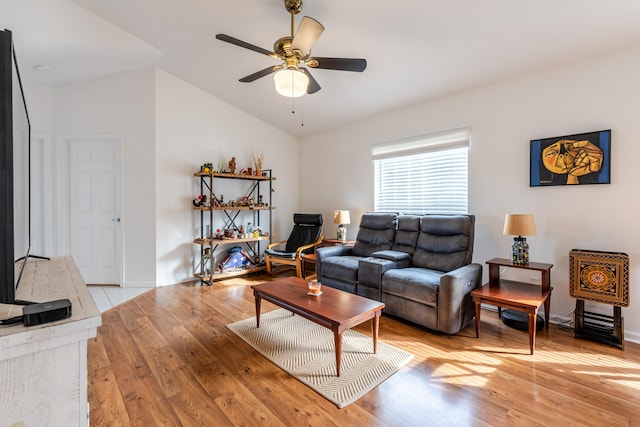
(140, 284)
(633, 337)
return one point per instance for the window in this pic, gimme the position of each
(427, 174)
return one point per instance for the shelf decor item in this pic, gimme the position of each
(569, 160)
(519, 225)
(257, 161)
(341, 217)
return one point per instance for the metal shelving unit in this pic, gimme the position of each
(229, 217)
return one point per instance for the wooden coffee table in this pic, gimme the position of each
(334, 309)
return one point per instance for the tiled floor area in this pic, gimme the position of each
(107, 297)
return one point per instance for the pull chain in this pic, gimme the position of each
(301, 114)
(293, 110)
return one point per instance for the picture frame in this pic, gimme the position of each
(578, 159)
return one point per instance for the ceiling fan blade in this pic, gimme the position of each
(235, 41)
(342, 64)
(308, 32)
(313, 84)
(255, 76)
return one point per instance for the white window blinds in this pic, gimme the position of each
(427, 174)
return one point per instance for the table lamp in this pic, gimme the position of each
(519, 225)
(341, 218)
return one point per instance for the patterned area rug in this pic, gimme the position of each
(306, 351)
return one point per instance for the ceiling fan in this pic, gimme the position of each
(292, 78)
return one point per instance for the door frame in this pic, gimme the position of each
(67, 140)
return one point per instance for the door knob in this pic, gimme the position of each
(116, 220)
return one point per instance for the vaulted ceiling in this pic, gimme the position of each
(416, 50)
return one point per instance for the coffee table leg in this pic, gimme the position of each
(338, 341)
(258, 300)
(375, 326)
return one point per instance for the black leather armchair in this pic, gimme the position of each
(305, 236)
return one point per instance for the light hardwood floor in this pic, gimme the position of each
(166, 358)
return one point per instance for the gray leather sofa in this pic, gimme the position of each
(418, 265)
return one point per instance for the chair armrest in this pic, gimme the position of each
(271, 245)
(455, 287)
(309, 246)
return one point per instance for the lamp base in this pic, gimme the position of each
(519, 251)
(342, 232)
(520, 320)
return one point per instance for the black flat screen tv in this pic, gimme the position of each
(15, 185)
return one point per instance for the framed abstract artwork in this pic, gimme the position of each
(579, 159)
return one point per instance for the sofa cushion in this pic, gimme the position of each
(375, 234)
(344, 268)
(415, 284)
(445, 242)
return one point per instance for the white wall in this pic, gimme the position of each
(195, 128)
(602, 93)
(169, 129)
(41, 105)
(45, 237)
(123, 105)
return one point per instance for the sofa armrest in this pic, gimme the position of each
(453, 297)
(329, 251)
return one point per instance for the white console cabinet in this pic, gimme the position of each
(43, 368)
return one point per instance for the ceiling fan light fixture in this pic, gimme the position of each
(291, 82)
(294, 50)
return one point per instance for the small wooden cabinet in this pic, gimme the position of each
(253, 205)
(515, 295)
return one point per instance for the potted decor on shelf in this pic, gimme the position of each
(258, 160)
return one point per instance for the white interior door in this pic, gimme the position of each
(95, 202)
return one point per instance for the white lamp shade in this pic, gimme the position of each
(291, 82)
(519, 225)
(341, 217)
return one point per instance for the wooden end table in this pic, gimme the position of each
(307, 259)
(337, 242)
(334, 309)
(514, 295)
